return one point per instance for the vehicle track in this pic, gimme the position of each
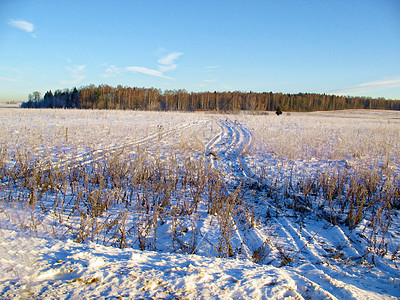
(226, 150)
(98, 154)
(130, 145)
(314, 254)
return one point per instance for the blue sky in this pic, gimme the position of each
(336, 47)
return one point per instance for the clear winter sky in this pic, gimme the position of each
(328, 46)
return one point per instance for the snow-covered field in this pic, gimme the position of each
(166, 205)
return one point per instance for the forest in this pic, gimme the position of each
(134, 98)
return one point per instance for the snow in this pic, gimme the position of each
(277, 252)
(48, 268)
(40, 268)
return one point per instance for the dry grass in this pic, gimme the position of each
(342, 167)
(336, 136)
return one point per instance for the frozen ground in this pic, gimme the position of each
(278, 251)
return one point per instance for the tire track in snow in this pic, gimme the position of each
(317, 273)
(320, 253)
(325, 258)
(255, 243)
(228, 149)
(212, 144)
(87, 158)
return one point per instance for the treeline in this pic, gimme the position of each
(60, 99)
(107, 97)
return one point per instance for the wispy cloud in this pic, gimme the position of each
(112, 71)
(167, 68)
(75, 74)
(375, 85)
(23, 25)
(166, 64)
(147, 71)
(383, 83)
(170, 58)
